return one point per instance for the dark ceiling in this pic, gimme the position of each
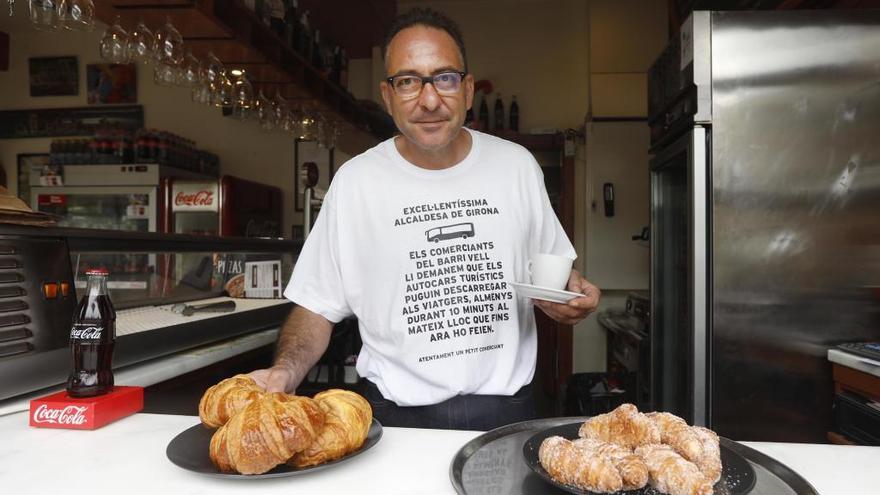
(357, 25)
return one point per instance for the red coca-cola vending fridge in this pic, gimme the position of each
(229, 206)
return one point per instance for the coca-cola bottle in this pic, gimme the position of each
(92, 338)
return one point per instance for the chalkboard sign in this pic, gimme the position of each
(54, 76)
(80, 121)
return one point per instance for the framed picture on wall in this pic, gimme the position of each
(30, 164)
(53, 76)
(111, 83)
(315, 163)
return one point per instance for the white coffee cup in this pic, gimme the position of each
(550, 270)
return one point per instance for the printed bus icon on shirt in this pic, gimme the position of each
(455, 231)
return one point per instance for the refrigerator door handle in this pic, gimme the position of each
(698, 178)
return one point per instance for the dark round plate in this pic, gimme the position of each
(189, 450)
(737, 475)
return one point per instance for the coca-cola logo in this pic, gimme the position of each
(86, 333)
(69, 415)
(200, 198)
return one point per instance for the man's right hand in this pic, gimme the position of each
(275, 379)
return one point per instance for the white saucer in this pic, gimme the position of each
(544, 293)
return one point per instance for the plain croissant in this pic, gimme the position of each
(346, 425)
(632, 469)
(266, 433)
(223, 400)
(624, 426)
(574, 466)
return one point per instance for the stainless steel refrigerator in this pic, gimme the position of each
(765, 221)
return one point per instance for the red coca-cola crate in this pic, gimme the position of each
(59, 410)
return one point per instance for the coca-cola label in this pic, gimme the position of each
(86, 331)
(67, 415)
(200, 198)
(194, 196)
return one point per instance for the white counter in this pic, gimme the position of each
(164, 368)
(130, 456)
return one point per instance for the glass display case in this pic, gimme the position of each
(160, 285)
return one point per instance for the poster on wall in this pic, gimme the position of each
(111, 83)
(53, 76)
(56, 122)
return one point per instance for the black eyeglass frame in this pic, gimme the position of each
(425, 79)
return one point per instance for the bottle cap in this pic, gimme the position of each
(97, 271)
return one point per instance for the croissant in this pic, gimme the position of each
(672, 473)
(676, 433)
(266, 433)
(624, 426)
(632, 469)
(223, 400)
(347, 423)
(573, 466)
(709, 461)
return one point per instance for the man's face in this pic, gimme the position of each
(429, 120)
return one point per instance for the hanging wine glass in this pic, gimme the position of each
(76, 15)
(332, 135)
(11, 7)
(169, 53)
(242, 95)
(213, 70)
(296, 121)
(44, 14)
(223, 95)
(190, 71)
(264, 112)
(201, 90)
(321, 131)
(113, 46)
(281, 112)
(309, 125)
(141, 44)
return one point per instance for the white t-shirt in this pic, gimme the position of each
(422, 258)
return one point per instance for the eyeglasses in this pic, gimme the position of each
(409, 86)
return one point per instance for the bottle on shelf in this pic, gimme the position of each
(484, 114)
(513, 114)
(304, 43)
(336, 70)
(343, 68)
(499, 113)
(317, 59)
(291, 21)
(264, 9)
(275, 10)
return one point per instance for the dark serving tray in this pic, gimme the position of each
(494, 463)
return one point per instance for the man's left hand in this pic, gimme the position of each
(578, 308)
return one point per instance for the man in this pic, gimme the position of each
(418, 237)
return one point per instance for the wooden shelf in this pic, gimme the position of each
(234, 34)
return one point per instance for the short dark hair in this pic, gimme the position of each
(423, 16)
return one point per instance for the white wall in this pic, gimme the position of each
(626, 36)
(244, 150)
